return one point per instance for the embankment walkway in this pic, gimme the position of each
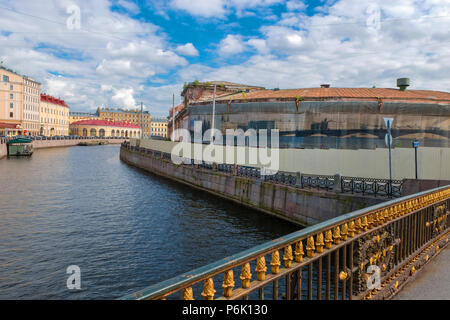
(432, 283)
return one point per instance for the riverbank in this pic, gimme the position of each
(300, 206)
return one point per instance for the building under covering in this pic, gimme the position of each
(104, 128)
(325, 117)
(54, 116)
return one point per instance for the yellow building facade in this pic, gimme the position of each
(54, 116)
(104, 128)
(19, 103)
(159, 127)
(130, 116)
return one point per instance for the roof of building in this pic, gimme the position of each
(105, 123)
(420, 96)
(121, 110)
(18, 74)
(53, 100)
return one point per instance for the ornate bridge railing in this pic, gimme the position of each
(369, 253)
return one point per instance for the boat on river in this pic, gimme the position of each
(20, 146)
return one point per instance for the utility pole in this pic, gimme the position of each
(213, 114)
(415, 146)
(173, 117)
(142, 119)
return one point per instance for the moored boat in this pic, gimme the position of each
(20, 146)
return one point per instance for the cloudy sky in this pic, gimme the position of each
(117, 53)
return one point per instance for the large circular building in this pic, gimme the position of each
(104, 128)
(325, 117)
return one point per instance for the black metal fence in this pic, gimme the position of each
(336, 183)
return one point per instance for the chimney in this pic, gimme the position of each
(325, 85)
(403, 83)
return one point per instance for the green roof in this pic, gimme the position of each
(20, 140)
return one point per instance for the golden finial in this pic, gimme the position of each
(246, 275)
(396, 284)
(261, 268)
(287, 257)
(437, 248)
(374, 219)
(384, 267)
(188, 294)
(310, 247)
(228, 283)
(344, 231)
(378, 238)
(275, 263)
(364, 223)
(351, 229)
(299, 251)
(337, 235)
(343, 275)
(413, 270)
(328, 239)
(208, 289)
(358, 225)
(319, 243)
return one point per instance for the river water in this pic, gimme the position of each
(124, 228)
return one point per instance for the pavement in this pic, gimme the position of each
(432, 282)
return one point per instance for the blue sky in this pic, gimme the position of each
(125, 52)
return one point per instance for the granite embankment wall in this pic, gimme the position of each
(300, 206)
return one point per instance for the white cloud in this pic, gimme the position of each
(129, 6)
(124, 97)
(187, 50)
(295, 5)
(203, 8)
(231, 44)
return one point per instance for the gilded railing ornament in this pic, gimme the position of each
(337, 235)
(343, 275)
(228, 284)
(328, 239)
(246, 275)
(344, 231)
(299, 252)
(310, 247)
(319, 243)
(358, 225)
(188, 294)
(364, 223)
(208, 289)
(351, 229)
(287, 257)
(261, 268)
(275, 263)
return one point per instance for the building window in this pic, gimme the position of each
(11, 115)
(11, 96)
(11, 87)
(5, 78)
(11, 105)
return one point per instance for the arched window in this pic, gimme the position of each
(101, 132)
(112, 133)
(85, 132)
(122, 133)
(126, 134)
(93, 132)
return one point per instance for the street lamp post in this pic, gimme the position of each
(213, 114)
(415, 145)
(388, 140)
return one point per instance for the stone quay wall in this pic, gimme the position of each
(300, 206)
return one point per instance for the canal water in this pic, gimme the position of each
(124, 228)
